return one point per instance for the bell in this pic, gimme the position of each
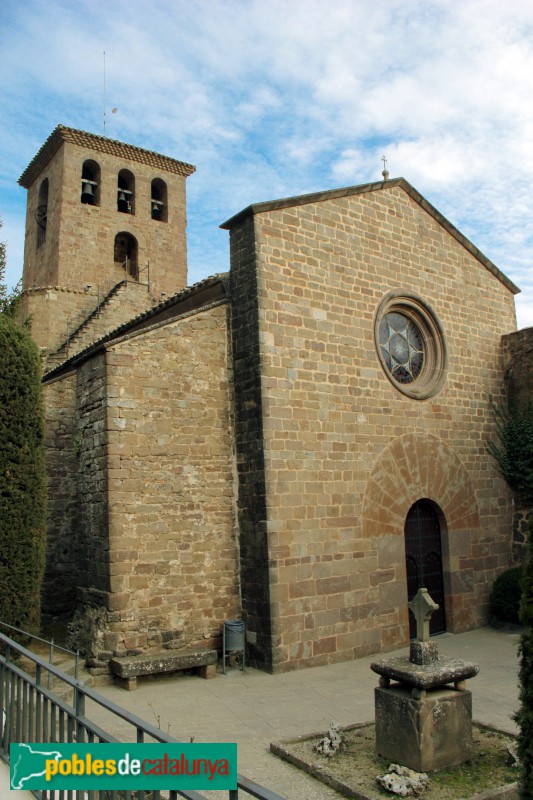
(87, 189)
(121, 196)
(156, 207)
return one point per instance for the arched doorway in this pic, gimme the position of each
(423, 556)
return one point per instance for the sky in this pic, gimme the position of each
(274, 98)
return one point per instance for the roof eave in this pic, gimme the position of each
(102, 144)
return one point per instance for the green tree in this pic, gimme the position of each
(3, 289)
(524, 717)
(22, 471)
(9, 301)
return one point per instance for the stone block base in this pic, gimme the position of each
(429, 733)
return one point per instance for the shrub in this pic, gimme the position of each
(506, 594)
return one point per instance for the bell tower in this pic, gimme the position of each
(100, 213)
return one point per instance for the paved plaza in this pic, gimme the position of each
(254, 708)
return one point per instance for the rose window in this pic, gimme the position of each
(410, 344)
(402, 347)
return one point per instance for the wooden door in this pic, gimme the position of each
(423, 555)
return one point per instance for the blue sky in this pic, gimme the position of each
(270, 98)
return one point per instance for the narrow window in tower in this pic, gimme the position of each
(41, 214)
(158, 200)
(90, 183)
(126, 192)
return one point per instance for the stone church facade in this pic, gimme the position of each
(300, 442)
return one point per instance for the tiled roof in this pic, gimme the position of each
(99, 144)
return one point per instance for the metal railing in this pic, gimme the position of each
(52, 647)
(33, 713)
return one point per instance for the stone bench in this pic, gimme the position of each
(128, 668)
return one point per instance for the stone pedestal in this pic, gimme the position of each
(421, 722)
(427, 733)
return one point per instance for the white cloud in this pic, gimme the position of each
(275, 98)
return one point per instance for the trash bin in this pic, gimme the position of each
(233, 640)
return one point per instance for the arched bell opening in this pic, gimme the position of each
(90, 183)
(126, 254)
(41, 214)
(158, 200)
(126, 192)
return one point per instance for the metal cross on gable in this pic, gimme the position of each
(423, 607)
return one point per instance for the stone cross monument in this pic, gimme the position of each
(422, 650)
(424, 718)
(422, 607)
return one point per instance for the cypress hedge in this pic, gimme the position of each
(22, 471)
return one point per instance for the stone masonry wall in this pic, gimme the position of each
(76, 583)
(41, 262)
(124, 303)
(89, 625)
(56, 314)
(336, 431)
(172, 542)
(252, 512)
(53, 311)
(518, 367)
(92, 452)
(62, 545)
